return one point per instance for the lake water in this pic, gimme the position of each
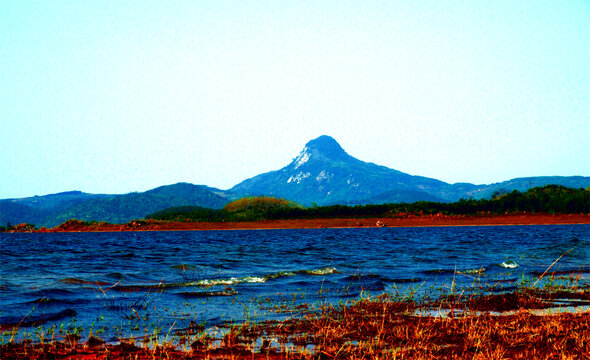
(124, 284)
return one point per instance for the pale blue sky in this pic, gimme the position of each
(119, 96)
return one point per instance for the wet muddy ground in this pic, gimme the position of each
(525, 324)
(407, 220)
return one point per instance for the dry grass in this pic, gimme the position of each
(377, 328)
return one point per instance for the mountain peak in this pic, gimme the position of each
(321, 148)
(325, 143)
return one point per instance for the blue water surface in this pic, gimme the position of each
(131, 283)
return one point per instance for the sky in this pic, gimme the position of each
(119, 96)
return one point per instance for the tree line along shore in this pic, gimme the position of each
(551, 204)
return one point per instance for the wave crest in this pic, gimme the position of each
(509, 264)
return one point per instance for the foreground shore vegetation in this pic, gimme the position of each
(523, 324)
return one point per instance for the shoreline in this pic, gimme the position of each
(523, 322)
(480, 326)
(372, 222)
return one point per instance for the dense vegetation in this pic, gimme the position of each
(546, 199)
(259, 207)
(245, 209)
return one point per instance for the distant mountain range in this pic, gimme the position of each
(323, 174)
(52, 210)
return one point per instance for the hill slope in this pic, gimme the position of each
(37, 209)
(526, 183)
(52, 210)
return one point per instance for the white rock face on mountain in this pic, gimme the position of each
(324, 173)
(299, 177)
(302, 158)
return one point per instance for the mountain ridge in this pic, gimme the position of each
(323, 173)
(111, 208)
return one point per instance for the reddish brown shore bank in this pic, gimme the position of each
(396, 221)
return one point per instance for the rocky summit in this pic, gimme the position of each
(323, 173)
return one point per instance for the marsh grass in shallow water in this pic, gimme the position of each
(479, 326)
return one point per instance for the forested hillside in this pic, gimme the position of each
(55, 209)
